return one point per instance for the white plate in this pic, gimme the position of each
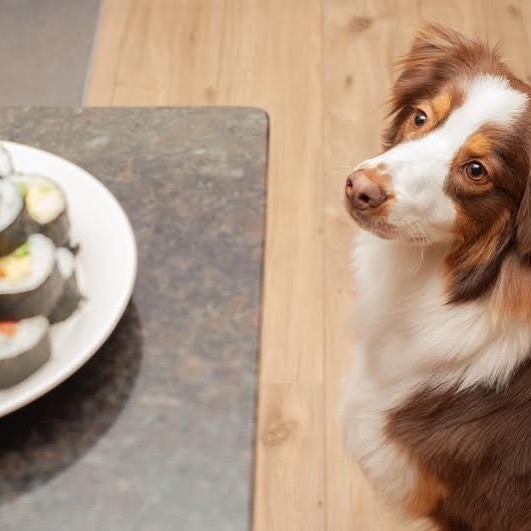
(106, 265)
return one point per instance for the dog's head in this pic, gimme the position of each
(457, 159)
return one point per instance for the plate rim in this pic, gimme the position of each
(42, 388)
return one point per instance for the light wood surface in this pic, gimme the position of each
(355, 81)
(322, 70)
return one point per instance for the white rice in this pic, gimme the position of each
(10, 203)
(6, 164)
(65, 262)
(42, 253)
(29, 333)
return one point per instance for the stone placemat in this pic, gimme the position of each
(156, 431)
(46, 50)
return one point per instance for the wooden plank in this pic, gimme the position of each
(289, 475)
(251, 52)
(500, 23)
(108, 49)
(361, 41)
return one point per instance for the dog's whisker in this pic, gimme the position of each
(420, 234)
(417, 234)
(343, 164)
(346, 169)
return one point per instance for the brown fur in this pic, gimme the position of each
(436, 109)
(443, 103)
(511, 298)
(523, 232)
(436, 59)
(478, 147)
(429, 493)
(487, 211)
(475, 446)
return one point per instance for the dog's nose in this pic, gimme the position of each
(362, 192)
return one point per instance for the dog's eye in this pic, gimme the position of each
(420, 118)
(476, 171)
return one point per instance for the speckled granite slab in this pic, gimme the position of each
(46, 50)
(156, 432)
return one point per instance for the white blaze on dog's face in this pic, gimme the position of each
(418, 168)
(457, 161)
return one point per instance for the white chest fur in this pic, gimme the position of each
(407, 336)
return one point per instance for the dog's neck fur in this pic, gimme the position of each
(409, 338)
(409, 330)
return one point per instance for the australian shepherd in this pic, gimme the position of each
(437, 400)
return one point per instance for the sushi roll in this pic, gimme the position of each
(71, 298)
(46, 207)
(30, 281)
(24, 347)
(6, 163)
(13, 219)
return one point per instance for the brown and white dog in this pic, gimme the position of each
(437, 401)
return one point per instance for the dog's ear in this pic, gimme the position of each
(433, 40)
(523, 224)
(421, 73)
(437, 55)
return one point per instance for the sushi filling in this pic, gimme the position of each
(28, 266)
(44, 201)
(21, 336)
(16, 267)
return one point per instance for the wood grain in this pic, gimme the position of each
(322, 70)
(360, 42)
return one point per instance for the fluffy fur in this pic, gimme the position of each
(436, 408)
